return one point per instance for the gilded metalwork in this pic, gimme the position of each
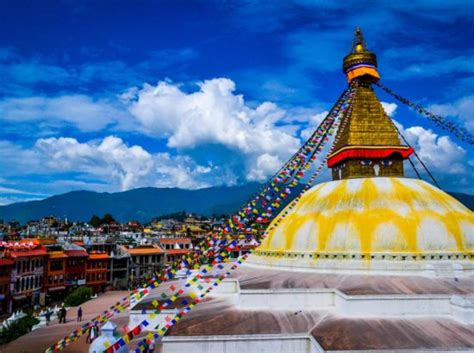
(367, 126)
(359, 52)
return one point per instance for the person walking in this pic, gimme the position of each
(79, 314)
(48, 316)
(63, 312)
(92, 334)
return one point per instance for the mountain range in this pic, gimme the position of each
(144, 203)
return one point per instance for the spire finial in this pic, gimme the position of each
(360, 62)
(358, 44)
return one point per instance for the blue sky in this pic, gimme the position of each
(110, 95)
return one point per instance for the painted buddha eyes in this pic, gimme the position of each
(384, 163)
(340, 167)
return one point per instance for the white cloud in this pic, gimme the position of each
(215, 115)
(113, 161)
(13, 199)
(14, 191)
(265, 165)
(251, 141)
(390, 108)
(81, 111)
(461, 109)
(441, 155)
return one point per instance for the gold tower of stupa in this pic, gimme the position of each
(367, 143)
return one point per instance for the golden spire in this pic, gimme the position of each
(360, 62)
(358, 44)
(367, 141)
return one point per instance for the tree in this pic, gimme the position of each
(17, 328)
(78, 296)
(108, 219)
(95, 221)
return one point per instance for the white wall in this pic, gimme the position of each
(239, 344)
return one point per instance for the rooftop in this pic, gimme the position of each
(144, 250)
(98, 256)
(175, 240)
(57, 255)
(177, 251)
(77, 253)
(29, 253)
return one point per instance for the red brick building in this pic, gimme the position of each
(96, 271)
(75, 268)
(28, 274)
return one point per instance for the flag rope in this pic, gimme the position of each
(460, 132)
(153, 336)
(217, 243)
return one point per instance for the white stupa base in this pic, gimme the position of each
(283, 309)
(438, 265)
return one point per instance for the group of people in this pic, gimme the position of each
(93, 331)
(62, 315)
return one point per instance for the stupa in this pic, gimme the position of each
(371, 261)
(371, 218)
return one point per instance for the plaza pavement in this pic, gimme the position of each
(40, 339)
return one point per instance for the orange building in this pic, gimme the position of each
(96, 271)
(55, 274)
(6, 266)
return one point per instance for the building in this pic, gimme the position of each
(97, 266)
(6, 266)
(175, 248)
(75, 266)
(119, 271)
(27, 276)
(55, 274)
(145, 260)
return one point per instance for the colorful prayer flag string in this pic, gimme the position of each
(460, 132)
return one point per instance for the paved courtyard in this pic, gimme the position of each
(40, 339)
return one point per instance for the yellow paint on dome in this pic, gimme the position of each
(372, 215)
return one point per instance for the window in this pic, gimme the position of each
(56, 265)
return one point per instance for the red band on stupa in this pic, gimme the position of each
(368, 153)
